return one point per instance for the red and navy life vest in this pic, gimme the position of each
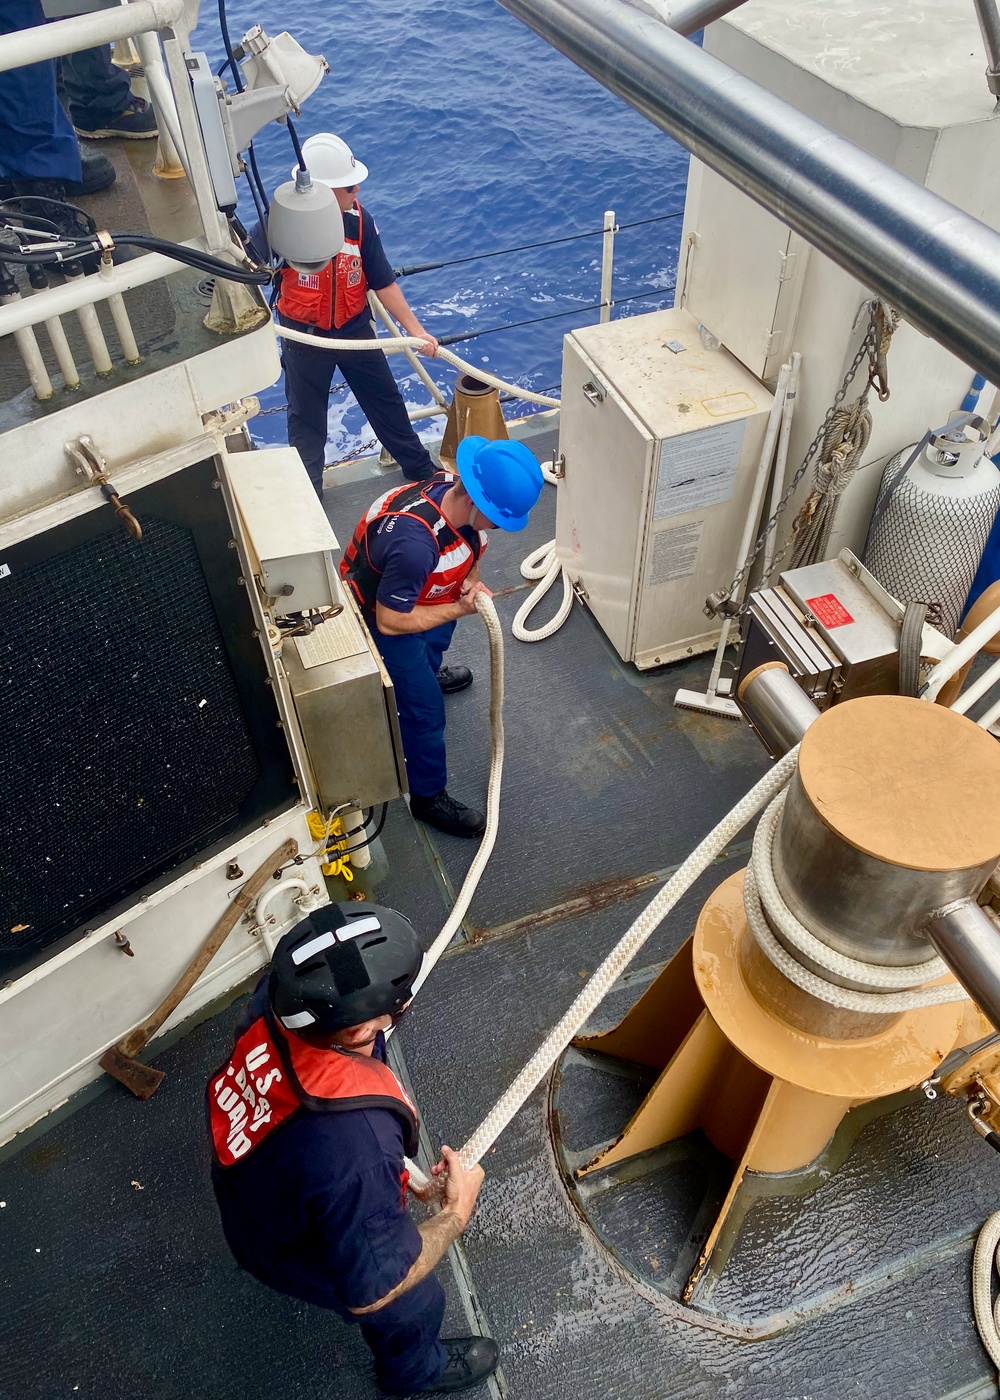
(271, 1075)
(456, 556)
(332, 297)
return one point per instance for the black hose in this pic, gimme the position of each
(338, 855)
(230, 56)
(296, 143)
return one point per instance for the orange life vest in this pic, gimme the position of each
(456, 556)
(270, 1076)
(330, 298)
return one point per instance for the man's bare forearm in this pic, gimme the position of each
(420, 618)
(437, 1235)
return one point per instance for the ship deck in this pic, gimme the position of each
(117, 1281)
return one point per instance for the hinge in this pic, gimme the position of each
(787, 269)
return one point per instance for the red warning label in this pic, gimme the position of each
(829, 610)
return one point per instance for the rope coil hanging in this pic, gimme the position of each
(847, 431)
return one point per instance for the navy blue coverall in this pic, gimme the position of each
(405, 555)
(36, 138)
(317, 1212)
(309, 374)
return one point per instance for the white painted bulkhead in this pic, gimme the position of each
(906, 82)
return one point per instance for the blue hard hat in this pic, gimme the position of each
(503, 478)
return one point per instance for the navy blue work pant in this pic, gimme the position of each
(94, 89)
(403, 1337)
(412, 660)
(308, 376)
(36, 139)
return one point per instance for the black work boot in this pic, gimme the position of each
(452, 678)
(136, 123)
(470, 1361)
(97, 174)
(447, 815)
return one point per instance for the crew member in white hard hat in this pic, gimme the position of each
(334, 303)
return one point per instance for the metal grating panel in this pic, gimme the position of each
(127, 745)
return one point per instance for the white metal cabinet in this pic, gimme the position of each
(661, 439)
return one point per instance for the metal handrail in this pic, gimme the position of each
(937, 265)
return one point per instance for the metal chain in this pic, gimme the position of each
(872, 348)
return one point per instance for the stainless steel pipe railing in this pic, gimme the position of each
(938, 266)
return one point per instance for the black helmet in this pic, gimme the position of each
(345, 964)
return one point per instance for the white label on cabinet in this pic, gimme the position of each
(675, 553)
(698, 469)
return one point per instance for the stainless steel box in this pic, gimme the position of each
(347, 713)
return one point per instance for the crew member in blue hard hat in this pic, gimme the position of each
(413, 565)
(334, 303)
(310, 1128)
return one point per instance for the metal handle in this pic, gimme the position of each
(593, 393)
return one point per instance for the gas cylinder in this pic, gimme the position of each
(935, 508)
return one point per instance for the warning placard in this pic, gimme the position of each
(829, 610)
(675, 553)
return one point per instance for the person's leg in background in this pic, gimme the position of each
(308, 376)
(371, 381)
(98, 96)
(36, 138)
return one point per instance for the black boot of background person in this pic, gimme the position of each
(447, 815)
(470, 1361)
(97, 174)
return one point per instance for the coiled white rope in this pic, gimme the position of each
(893, 988)
(391, 344)
(543, 564)
(619, 958)
(984, 1260)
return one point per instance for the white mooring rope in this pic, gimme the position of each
(984, 1260)
(391, 344)
(621, 955)
(891, 988)
(487, 611)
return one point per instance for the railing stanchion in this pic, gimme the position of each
(607, 263)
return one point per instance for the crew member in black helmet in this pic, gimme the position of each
(309, 1130)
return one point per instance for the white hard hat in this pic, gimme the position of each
(330, 161)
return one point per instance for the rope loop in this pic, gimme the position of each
(885, 988)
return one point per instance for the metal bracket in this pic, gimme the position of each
(89, 463)
(557, 467)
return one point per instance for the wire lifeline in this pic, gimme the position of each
(651, 295)
(621, 956)
(414, 268)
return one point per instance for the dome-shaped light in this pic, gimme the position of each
(305, 226)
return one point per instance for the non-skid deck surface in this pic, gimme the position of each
(116, 1280)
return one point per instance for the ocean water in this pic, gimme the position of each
(478, 136)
